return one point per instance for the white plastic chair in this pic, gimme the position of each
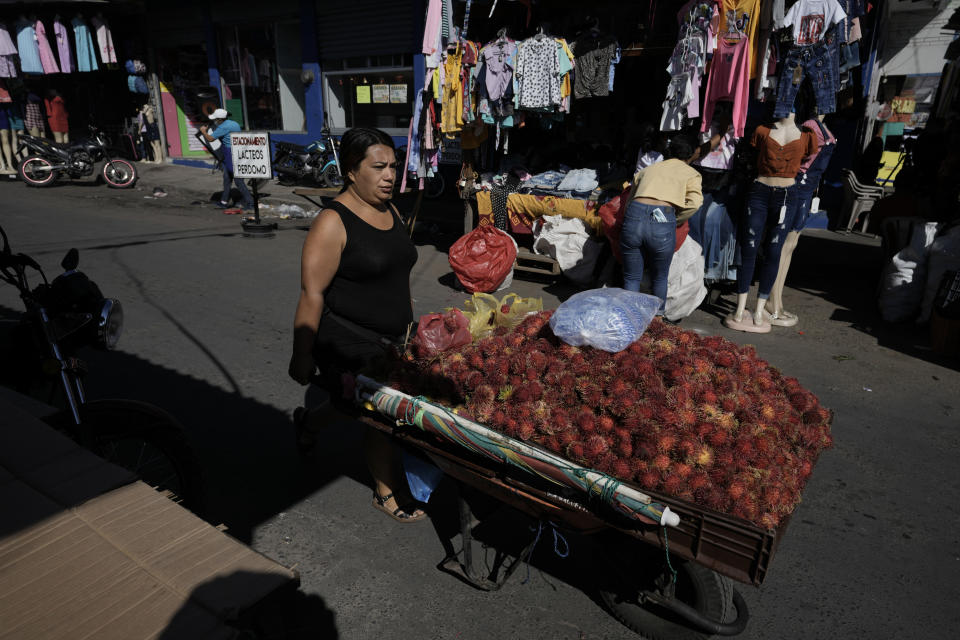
(858, 199)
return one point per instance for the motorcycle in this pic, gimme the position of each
(37, 358)
(319, 161)
(45, 161)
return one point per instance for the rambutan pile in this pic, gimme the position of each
(698, 418)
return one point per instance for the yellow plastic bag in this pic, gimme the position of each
(481, 311)
(513, 309)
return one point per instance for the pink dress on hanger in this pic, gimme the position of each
(104, 40)
(46, 53)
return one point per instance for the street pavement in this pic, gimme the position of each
(872, 551)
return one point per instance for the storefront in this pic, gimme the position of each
(288, 67)
(78, 56)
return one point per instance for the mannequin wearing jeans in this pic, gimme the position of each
(807, 182)
(780, 150)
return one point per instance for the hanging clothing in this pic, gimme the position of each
(57, 115)
(745, 16)
(722, 157)
(499, 60)
(810, 19)
(47, 60)
(8, 68)
(104, 40)
(593, 58)
(29, 48)
(33, 116)
(729, 80)
(86, 52)
(63, 47)
(537, 74)
(452, 96)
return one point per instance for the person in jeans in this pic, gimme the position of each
(223, 127)
(663, 196)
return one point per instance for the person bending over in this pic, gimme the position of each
(223, 127)
(663, 196)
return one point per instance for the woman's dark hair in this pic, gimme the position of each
(648, 137)
(354, 145)
(681, 147)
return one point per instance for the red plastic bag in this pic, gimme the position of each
(611, 215)
(483, 258)
(438, 332)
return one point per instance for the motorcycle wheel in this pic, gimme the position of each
(119, 174)
(331, 177)
(36, 171)
(146, 441)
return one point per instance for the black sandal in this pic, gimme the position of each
(400, 514)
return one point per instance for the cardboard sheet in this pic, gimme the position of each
(88, 552)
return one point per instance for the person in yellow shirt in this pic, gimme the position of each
(664, 195)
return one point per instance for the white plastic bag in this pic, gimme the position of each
(904, 276)
(607, 319)
(685, 287)
(508, 281)
(567, 241)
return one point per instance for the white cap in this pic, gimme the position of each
(218, 114)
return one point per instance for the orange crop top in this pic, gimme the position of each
(782, 161)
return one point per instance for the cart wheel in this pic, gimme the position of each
(697, 586)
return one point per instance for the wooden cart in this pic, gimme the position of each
(690, 597)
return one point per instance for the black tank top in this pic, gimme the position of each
(372, 285)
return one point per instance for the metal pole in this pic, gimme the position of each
(256, 202)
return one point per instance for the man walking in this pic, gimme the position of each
(223, 127)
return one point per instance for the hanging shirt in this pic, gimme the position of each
(86, 52)
(537, 74)
(593, 59)
(729, 79)
(499, 59)
(722, 156)
(822, 140)
(613, 64)
(810, 19)
(104, 41)
(29, 48)
(746, 16)
(8, 68)
(63, 47)
(645, 159)
(452, 93)
(47, 60)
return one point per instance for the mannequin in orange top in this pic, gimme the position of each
(780, 149)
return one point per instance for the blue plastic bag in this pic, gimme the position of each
(422, 476)
(608, 319)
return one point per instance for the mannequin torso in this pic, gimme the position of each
(783, 132)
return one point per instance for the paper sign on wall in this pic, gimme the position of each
(398, 93)
(250, 151)
(381, 94)
(363, 94)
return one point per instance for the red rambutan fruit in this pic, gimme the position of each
(567, 436)
(698, 480)
(526, 429)
(624, 447)
(621, 469)
(673, 484)
(688, 447)
(586, 421)
(718, 438)
(703, 429)
(661, 462)
(736, 490)
(769, 521)
(575, 451)
(728, 403)
(666, 442)
(649, 479)
(605, 424)
(704, 457)
(682, 470)
(475, 360)
(472, 380)
(595, 446)
(701, 366)
(537, 361)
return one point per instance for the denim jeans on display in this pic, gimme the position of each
(762, 224)
(716, 234)
(647, 239)
(818, 62)
(246, 198)
(807, 184)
